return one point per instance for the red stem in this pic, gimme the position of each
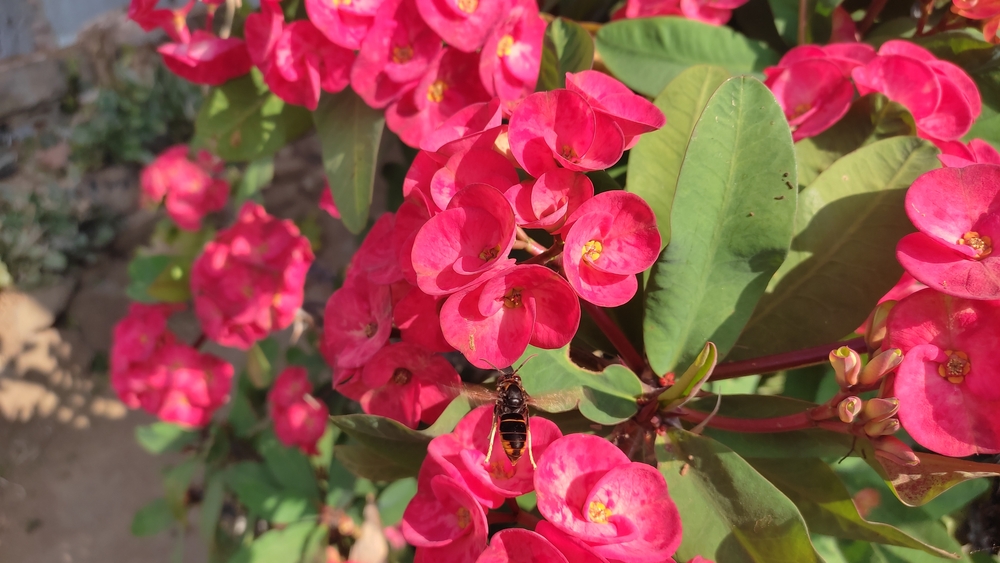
(529, 244)
(628, 353)
(786, 360)
(798, 421)
(874, 9)
(552, 252)
(803, 20)
(199, 341)
(527, 519)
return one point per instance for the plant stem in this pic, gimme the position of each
(527, 519)
(198, 342)
(798, 421)
(874, 9)
(549, 254)
(529, 244)
(803, 20)
(787, 360)
(628, 353)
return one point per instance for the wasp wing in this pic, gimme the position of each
(477, 394)
(556, 401)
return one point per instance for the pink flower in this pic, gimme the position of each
(411, 216)
(395, 55)
(296, 58)
(589, 489)
(249, 280)
(947, 383)
(376, 258)
(943, 99)
(192, 189)
(408, 383)
(343, 23)
(468, 128)
(207, 59)
(957, 212)
(517, 545)
(611, 237)
(633, 114)
(492, 323)
(173, 22)
(327, 204)
(477, 166)
(980, 10)
(559, 128)
(463, 24)
(715, 12)
(956, 155)
(299, 419)
(463, 454)
(445, 522)
(356, 323)
(450, 84)
(547, 202)
(575, 550)
(512, 56)
(140, 333)
(844, 29)
(417, 315)
(813, 84)
(460, 245)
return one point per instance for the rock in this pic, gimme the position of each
(30, 81)
(100, 303)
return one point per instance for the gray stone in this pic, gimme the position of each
(28, 82)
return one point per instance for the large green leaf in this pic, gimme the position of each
(728, 510)
(558, 385)
(871, 118)
(162, 437)
(350, 133)
(152, 518)
(385, 437)
(369, 463)
(257, 488)
(827, 506)
(243, 120)
(647, 53)
(843, 257)
(393, 500)
(212, 504)
(287, 545)
(655, 161)
(567, 48)
(731, 226)
(289, 466)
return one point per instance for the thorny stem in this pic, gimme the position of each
(529, 244)
(552, 252)
(803, 20)
(787, 360)
(798, 421)
(874, 9)
(628, 353)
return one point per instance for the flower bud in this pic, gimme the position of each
(875, 324)
(848, 409)
(895, 450)
(847, 364)
(876, 410)
(880, 365)
(882, 427)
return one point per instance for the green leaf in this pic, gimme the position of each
(321, 461)
(393, 500)
(687, 385)
(257, 488)
(556, 384)
(843, 256)
(258, 174)
(176, 481)
(288, 545)
(211, 507)
(915, 485)
(152, 519)
(158, 278)
(385, 437)
(243, 120)
(655, 161)
(162, 437)
(567, 47)
(289, 466)
(827, 506)
(261, 361)
(368, 463)
(647, 53)
(350, 133)
(242, 417)
(454, 412)
(871, 118)
(732, 225)
(732, 513)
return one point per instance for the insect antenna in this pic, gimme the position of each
(518, 368)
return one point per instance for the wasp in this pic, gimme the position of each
(510, 414)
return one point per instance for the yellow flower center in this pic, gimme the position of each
(983, 245)
(402, 54)
(338, 3)
(512, 299)
(592, 250)
(956, 368)
(800, 109)
(599, 513)
(504, 46)
(463, 517)
(371, 329)
(401, 376)
(468, 6)
(490, 253)
(435, 92)
(568, 153)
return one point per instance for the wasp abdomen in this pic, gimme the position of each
(513, 434)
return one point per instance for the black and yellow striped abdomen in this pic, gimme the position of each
(513, 429)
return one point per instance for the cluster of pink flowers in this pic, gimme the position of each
(189, 188)
(598, 505)
(151, 369)
(440, 268)
(249, 280)
(988, 10)
(815, 87)
(715, 12)
(299, 419)
(200, 57)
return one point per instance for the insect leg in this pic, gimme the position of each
(493, 435)
(531, 454)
